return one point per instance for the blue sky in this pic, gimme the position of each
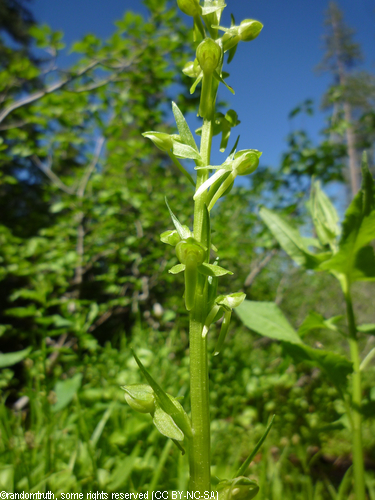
(270, 75)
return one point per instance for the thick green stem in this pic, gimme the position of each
(358, 463)
(199, 449)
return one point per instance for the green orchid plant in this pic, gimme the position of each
(195, 250)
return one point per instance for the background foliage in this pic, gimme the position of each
(83, 275)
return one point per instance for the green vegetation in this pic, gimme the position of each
(85, 281)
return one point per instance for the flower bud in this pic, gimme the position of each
(171, 237)
(249, 29)
(208, 55)
(160, 139)
(246, 161)
(189, 7)
(192, 69)
(240, 488)
(140, 397)
(190, 252)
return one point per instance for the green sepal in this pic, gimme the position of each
(197, 81)
(161, 140)
(183, 231)
(177, 269)
(166, 425)
(223, 332)
(183, 128)
(166, 402)
(240, 488)
(212, 270)
(221, 80)
(232, 300)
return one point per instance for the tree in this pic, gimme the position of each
(352, 94)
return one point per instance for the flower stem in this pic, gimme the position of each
(199, 449)
(358, 463)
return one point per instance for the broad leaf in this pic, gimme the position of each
(324, 216)
(355, 260)
(12, 358)
(336, 367)
(368, 328)
(315, 321)
(291, 241)
(65, 391)
(268, 320)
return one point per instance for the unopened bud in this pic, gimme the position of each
(249, 29)
(189, 7)
(190, 252)
(160, 139)
(140, 397)
(246, 161)
(192, 69)
(208, 55)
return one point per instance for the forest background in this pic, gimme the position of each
(84, 274)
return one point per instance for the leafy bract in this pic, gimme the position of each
(166, 402)
(166, 425)
(183, 127)
(183, 231)
(268, 320)
(291, 241)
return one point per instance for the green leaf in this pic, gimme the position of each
(212, 270)
(368, 328)
(183, 127)
(166, 425)
(291, 241)
(183, 232)
(336, 367)
(223, 332)
(65, 391)
(324, 216)
(268, 320)
(221, 80)
(355, 260)
(315, 321)
(12, 358)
